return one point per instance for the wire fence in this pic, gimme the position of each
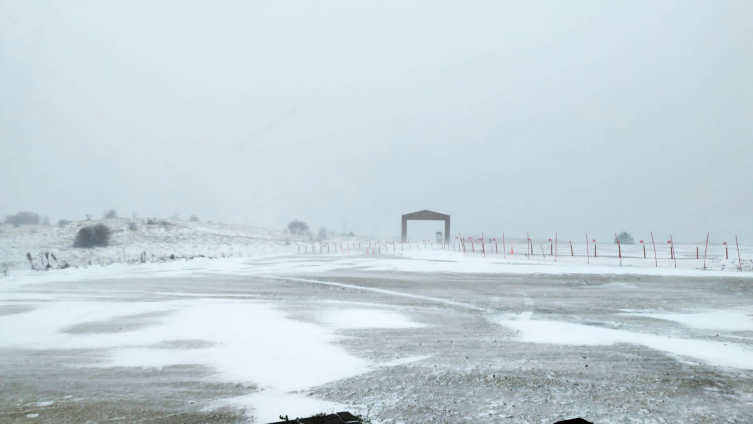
(656, 253)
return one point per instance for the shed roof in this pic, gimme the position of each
(426, 215)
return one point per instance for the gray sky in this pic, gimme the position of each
(520, 117)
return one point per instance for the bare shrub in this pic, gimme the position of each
(132, 226)
(111, 214)
(63, 222)
(194, 218)
(93, 236)
(161, 222)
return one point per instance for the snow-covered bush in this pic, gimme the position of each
(625, 238)
(298, 227)
(93, 236)
(22, 218)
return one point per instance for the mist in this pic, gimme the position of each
(537, 118)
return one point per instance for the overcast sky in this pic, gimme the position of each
(520, 117)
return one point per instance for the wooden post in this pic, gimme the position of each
(483, 248)
(656, 261)
(619, 247)
(672, 242)
(726, 251)
(571, 248)
(696, 255)
(588, 254)
(706, 250)
(555, 244)
(738, 254)
(644, 249)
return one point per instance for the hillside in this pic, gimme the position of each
(158, 238)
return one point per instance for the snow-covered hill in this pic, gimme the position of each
(160, 238)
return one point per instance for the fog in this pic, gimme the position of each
(543, 117)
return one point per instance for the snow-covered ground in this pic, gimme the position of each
(400, 337)
(159, 241)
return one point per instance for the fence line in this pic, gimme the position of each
(705, 254)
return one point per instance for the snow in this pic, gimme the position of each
(268, 405)
(729, 320)
(254, 342)
(387, 292)
(281, 353)
(366, 318)
(275, 252)
(243, 341)
(177, 237)
(44, 327)
(565, 333)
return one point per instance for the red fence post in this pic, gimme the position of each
(528, 245)
(738, 254)
(504, 249)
